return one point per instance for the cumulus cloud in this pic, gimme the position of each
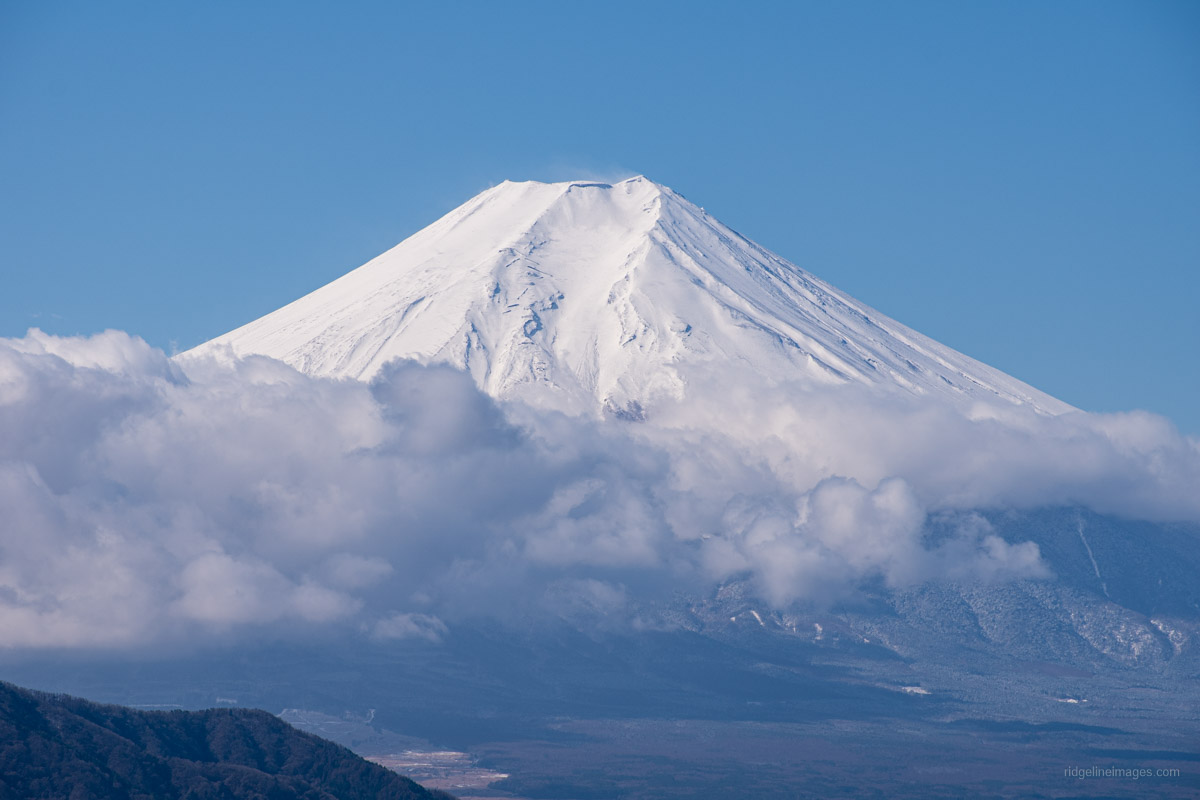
(1135, 464)
(142, 502)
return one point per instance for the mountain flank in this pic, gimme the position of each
(56, 746)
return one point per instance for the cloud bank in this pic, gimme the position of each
(144, 503)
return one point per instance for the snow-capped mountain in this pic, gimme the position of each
(589, 296)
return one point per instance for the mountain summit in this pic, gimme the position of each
(585, 296)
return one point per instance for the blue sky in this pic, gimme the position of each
(1018, 180)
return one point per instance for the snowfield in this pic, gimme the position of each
(590, 297)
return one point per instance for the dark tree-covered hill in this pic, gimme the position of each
(55, 746)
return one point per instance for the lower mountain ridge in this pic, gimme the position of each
(56, 746)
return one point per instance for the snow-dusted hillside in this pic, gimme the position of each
(589, 296)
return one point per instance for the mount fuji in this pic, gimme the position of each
(590, 297)
(826, 552)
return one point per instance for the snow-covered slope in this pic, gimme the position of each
(589, 296)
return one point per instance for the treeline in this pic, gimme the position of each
(56, 746)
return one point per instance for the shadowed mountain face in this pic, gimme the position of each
(55, 746)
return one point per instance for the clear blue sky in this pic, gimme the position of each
(1020, 180)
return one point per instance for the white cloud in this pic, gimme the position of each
(356, 572)
(142, 503)
(409, 626)
(216, 588)
(1135, 464)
